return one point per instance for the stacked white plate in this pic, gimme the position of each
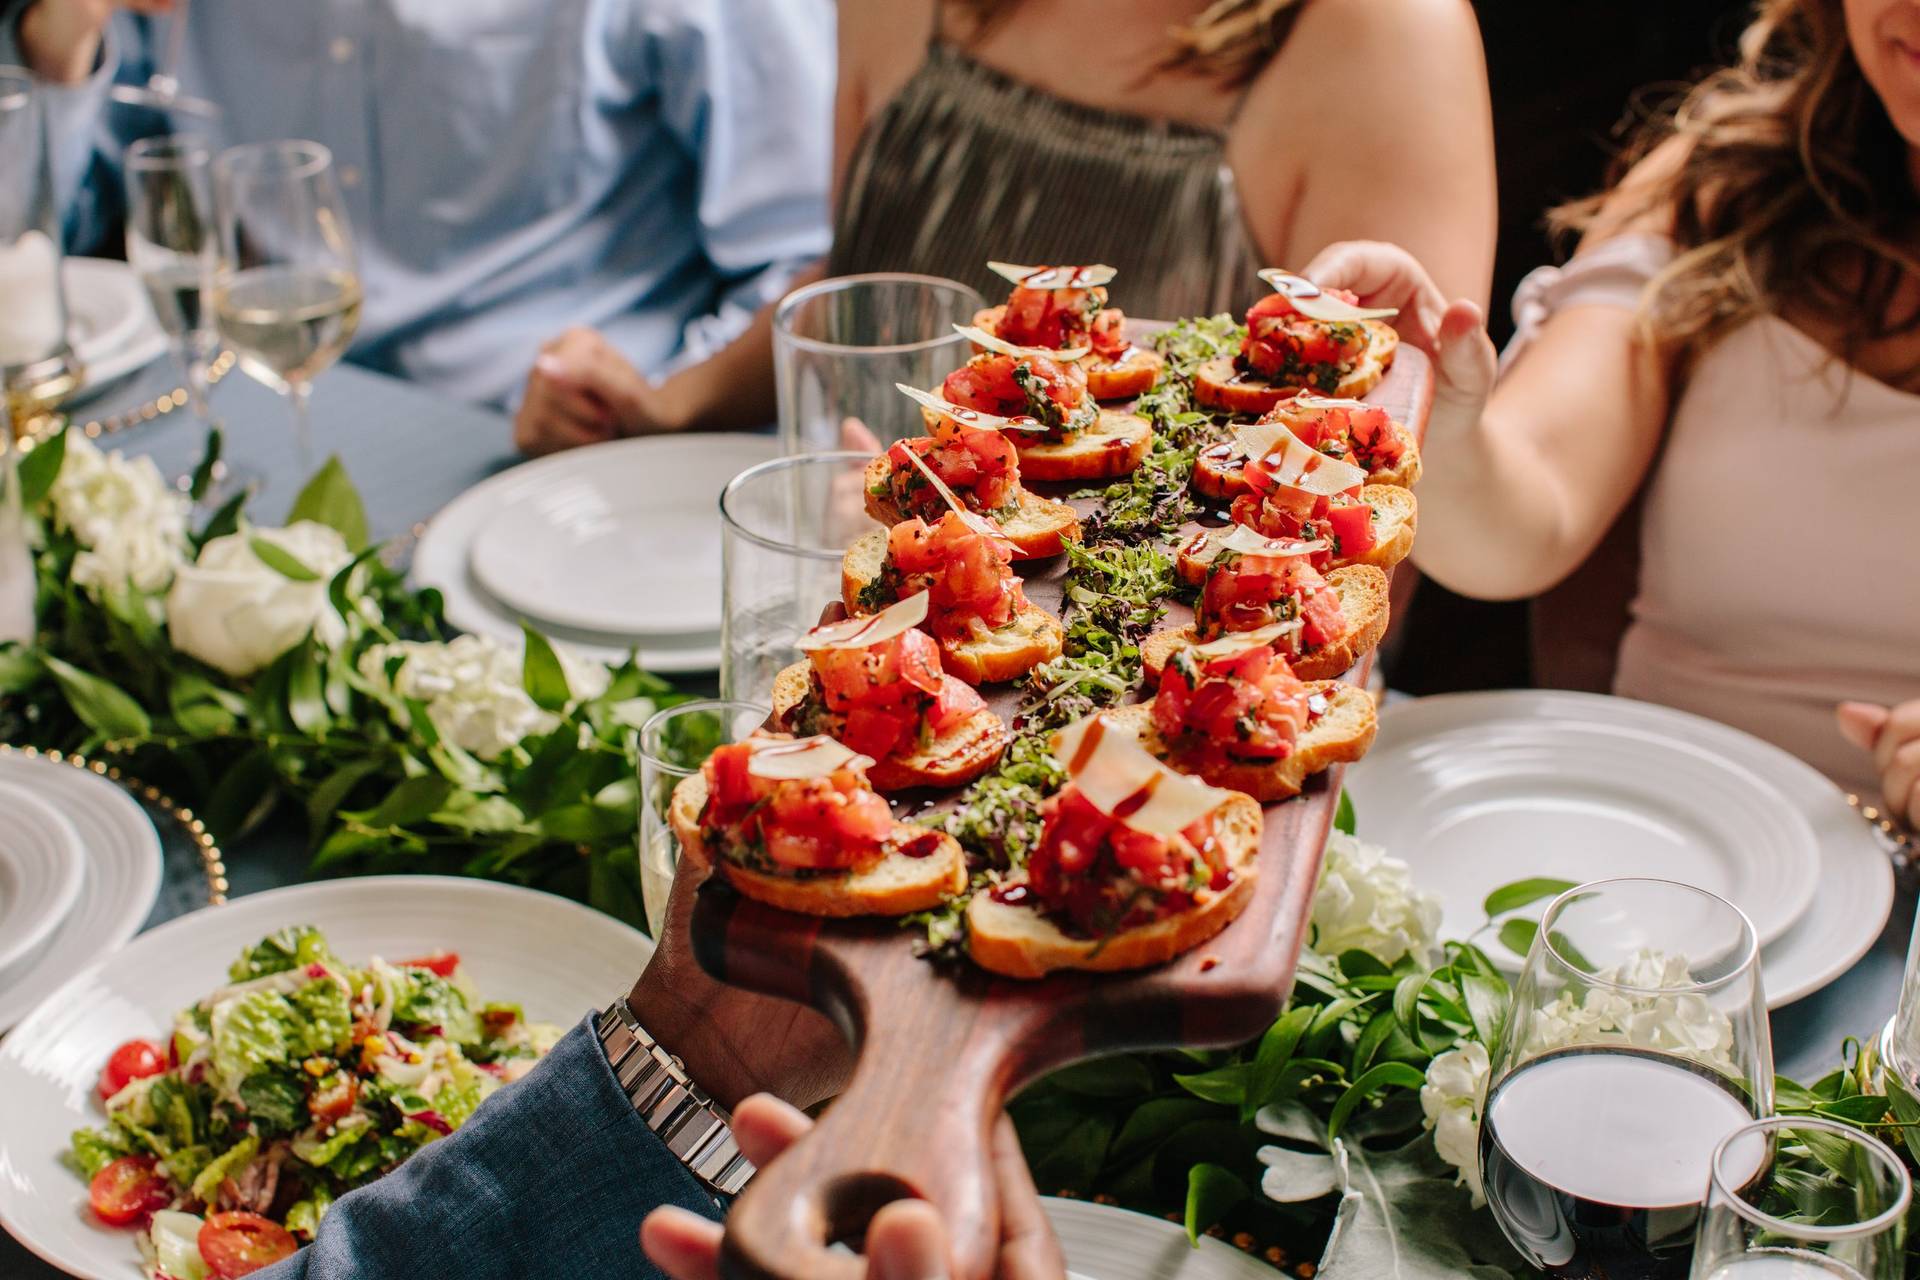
(1478, 790)
(110, 326)
(79, 871)
(606, 549)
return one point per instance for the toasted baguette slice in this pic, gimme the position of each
(1123, 379)
(1395, 513)
(1219, 385)
(1363, 599)
(893, 886)
(1040, 527)
(1113, 446)
(958, 756)
(1020, 942)
(1341, 734)
(1033, 637)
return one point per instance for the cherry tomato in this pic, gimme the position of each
(134, 1060)
(128, 1190)
(239, 1244)
(442, 963)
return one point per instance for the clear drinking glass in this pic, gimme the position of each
(172, 246)
(784, 526)
(1636, 1042)
(36, 367)
(673, 745)
(839, 347)
(161, 92)
(1839, 1214)
(286, 290)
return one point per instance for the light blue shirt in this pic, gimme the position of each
(655, 169)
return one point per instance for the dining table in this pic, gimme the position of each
(410, 450)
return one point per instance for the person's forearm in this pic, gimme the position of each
(61, 42)
(734, 389)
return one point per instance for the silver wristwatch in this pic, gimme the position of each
(694, 1128)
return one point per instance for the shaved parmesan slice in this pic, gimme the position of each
(1053, 277)
(862, 633)
(814, 757)
(1000, 346)
(1209, 544)
(1119, 778)
(968, 417)
(1294, 462)
(973, 520)
(1320, 404)
(1311, 301)
(1237, 642)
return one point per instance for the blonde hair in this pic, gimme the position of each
(1789, 192)
(1229, 41)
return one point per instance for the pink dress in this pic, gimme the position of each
(1780, 542)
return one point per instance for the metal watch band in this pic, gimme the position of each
(694, 1128)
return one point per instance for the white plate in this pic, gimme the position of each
(41, 869)
(121, 879)
(545, 953)
(1102, 1242)
(110, 325)
(621, 538)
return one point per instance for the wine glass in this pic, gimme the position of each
(286, 289)
(1636, 1042)
(674, 743)
(161, 92)
(172, 246)
(1833, 1205)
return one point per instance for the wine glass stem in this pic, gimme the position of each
(190, 353)
(299, 394)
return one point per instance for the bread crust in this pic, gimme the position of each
(894, 886)
(1363, 599)
(1396, 513)
(1020, 942)
(1033, 637)
(1219, 385)
(1113, 446)
(1340, 735)
(955, 758)
(1040, 528)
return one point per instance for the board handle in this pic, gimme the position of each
(914, 1123)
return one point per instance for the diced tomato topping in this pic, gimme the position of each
(1282, 511)
(965, 572)
(1245, 592)
(1053, 318)
(336, 1099)
(988, 384)
(981, 467)
(1364, 435)
(1109, 334)
(128, 1190)
(1097, 874)
(829, 822)
(1282, 343)
(239, 1244)
(1352, 527)
(1245, 705)
(134, 1060)
(442, 963)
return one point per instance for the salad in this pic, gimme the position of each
(300, 1079)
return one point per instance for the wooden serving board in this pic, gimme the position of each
(941, 1048)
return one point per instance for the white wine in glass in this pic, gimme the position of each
(286, 293)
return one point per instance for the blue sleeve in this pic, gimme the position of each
(746, 88)
(551, 1175)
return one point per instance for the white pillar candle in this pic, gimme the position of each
(29, 299)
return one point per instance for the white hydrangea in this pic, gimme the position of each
(130, 523)
(1452, 1098)
(472, 690)
(1367, 900)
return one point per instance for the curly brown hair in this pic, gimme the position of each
(1229, 40)
(1790, 192)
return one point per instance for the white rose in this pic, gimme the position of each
(473, 691)
(233, 611)
(1452, 1098)
(1368, 901)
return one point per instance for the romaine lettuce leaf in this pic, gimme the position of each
(206, 1184)
(250, 1032)
(327, 1021)
(423, 999)
(274, 1100)
(321, 1151)
(303, 1219)
(290, 948)
(93, 1150)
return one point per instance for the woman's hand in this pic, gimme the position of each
(907, 1240)
(1892, 734)
(581, 390)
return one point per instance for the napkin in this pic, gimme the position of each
(17, 588)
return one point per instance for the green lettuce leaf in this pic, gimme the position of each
(206, 1184)
(327, 1021)
(251, 1032)
(93, 1150)
(303, 1219)
(424, 999)
(288, 949)
(274, 1100)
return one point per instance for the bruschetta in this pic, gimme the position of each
(1066, 435)
(1349, 430)
(1135, 865)
(1388, 539)
(793, 822)
(978, 612)
(875, 685)
(1233, 714)
(1059, 308)
(971, 455)
(1331, 621)
(1300, 336)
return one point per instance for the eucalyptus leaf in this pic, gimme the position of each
(1511, 897)
(1294, 1176)
(330, 499)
